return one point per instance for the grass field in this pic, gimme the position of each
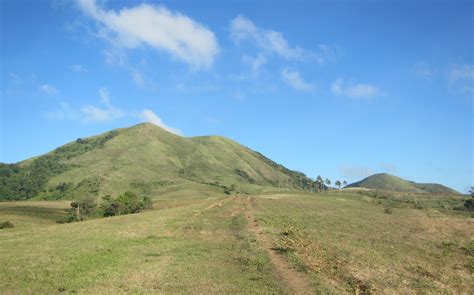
(205, 243)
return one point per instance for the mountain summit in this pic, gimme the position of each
(146, 159)
(385, 181)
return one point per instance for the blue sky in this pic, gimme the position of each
(342, 89)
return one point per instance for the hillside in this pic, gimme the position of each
(146, 159)
(384, 181)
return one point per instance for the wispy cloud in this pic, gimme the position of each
(157, 27)
(48, 89)
(294, 79)
(256, 62)
(273, 42)
(354, 90)
(78, 69)
(424, 70)
(149, 116)
(355, 172)
(63, 112)
(93, 114)
(104, 112)
(461, 77)
(388, 168)
(104, 95)
(461, 73)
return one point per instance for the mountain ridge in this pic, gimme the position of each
(146, 159)
(386, 181)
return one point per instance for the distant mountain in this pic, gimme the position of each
(145, 159)
(385, 181)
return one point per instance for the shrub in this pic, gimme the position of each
(469, 248)
(388, 210)
(127, 203)
(67, 219)
(79, 211)
(418, 206)
(6, 224)
(469, 204)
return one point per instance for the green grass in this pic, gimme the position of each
(346, 243)
(185, 248)
(199, 242)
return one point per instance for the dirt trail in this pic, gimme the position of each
(294, 280)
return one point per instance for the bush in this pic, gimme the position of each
(127, 203)
(79, 211)
(469, 204)
(469, 248)
(6, 224)
(418, 206)
(388, 210)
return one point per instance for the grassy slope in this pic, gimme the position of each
(384, 181)
(195, 245)
(199, 243)
(347, 243)
(149, 160)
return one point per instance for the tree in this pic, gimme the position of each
(328, 182)
(344, 183)
(320, 182)
(338, 183)
(469, 204)
(81, 209)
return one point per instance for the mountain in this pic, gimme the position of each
(385, 181)
(145, 159)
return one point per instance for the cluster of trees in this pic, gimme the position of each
(322, 182)
(126, 203)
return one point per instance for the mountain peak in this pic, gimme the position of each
(386, 181)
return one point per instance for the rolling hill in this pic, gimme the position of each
(145, 159)
(385, 181)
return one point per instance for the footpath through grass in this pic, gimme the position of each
(346, 243)
(202, 247)
(341, 242)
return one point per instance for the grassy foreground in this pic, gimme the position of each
(341, 243)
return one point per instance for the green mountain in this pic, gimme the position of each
(384, 181)
(145, 159)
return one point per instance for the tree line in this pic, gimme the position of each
(127, 203)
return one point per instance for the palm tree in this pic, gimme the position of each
(338, 183)
(328, 182)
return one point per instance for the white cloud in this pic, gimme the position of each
(104, 96)
(78, 69)
(241, 29)
(294, 79)
(48, 89)
(64, 111)
(462, 78)
(149, 116)
(359, 90)
(92, 114)
(157, 27)
(255, 63)
(355, 172)
(88, 113)
(461, 73)
(138, 78)
(424, 70)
